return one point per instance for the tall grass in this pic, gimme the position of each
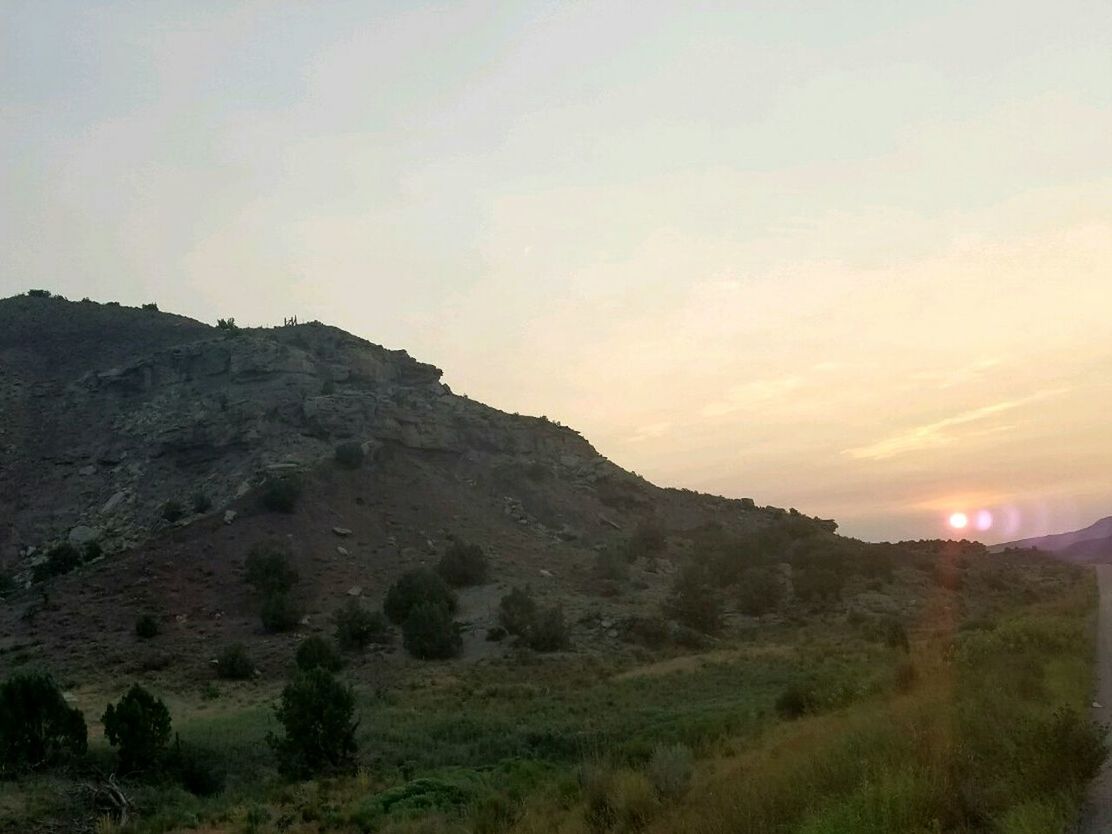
(991, 736)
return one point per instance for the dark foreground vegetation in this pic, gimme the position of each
(756, 699)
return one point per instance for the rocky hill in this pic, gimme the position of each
(111, 412)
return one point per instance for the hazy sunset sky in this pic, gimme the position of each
(854, 258)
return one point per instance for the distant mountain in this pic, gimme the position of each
(1091, 544)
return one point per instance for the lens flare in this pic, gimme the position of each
(959, 521)
(984, 520)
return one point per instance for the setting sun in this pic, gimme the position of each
(959, 521)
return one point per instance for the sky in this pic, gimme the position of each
(854, 258)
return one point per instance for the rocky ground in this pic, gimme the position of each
(99, 436)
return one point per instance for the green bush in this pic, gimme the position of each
(818, 585)
(37, 727)
(279, 495)
(279, 612)
(139, 725)
(150, 305)
(516, 611)
(7, 584)
(463, 564)
(317, 716)
(430, 633)
(147, 627)
(227, 324)
(414, 588)
(39, 293)
(549, 631)
(60, 559)
(318, 653)
(201, 502)
(195, 770)
(172, 511)
(760, 591)
(795, 701)
(91, 551)
(357, 628)
(268, 568)
(694, 602)
(350, 455)
(234, 664)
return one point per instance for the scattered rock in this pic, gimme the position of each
(343, 532)
(87, 470)
(82, 535)
(114, 501)
(609, 522)
(547, 574)
(343, 551)
(230, 516)
(354, 591)
(304, 620)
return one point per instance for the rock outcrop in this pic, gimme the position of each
(111, 412)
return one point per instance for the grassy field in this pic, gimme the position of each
(978, 726)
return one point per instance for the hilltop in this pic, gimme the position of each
(1089, 544)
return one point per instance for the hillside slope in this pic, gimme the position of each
(1090, 544)
(111, 412)
(105, 428)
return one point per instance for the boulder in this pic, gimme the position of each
(82, 535)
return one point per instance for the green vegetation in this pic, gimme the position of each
(959, 709)
(694, 601)
(279, 612)
(60, 559)
(548, 631)
(234, 664)
(280, 494)
(172, 511)
(414, 588)
(318, 653)
(463, 564)
(430, 633)
(357, 628)
(760, 591)
(317, 715)
(201, 502)
(139, 725)
(37, 727)
(517, 610)
(268, 568)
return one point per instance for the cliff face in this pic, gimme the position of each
(110, 412)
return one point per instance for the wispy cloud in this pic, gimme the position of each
(651, 431)
(942, 432)
(752, 394)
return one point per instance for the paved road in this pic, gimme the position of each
(1097, 818)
